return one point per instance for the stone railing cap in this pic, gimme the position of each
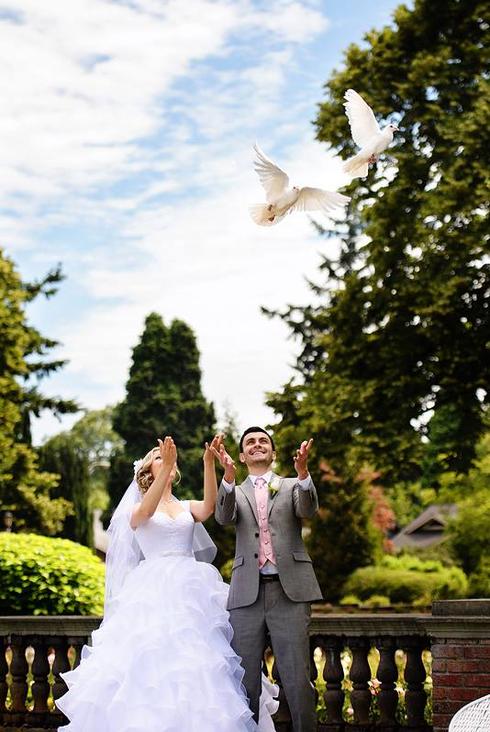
(471, 608)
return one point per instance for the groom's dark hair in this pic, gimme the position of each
(255, 429)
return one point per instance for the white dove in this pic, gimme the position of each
(365, 133)
(282, 200)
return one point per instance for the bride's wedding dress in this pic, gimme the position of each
(162, 660)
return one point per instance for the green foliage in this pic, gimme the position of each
(23, 356)
(61, 455)
(224, 536)
(343, 536)
(349, 600)
(376, 601)
(81, 458)
(480, 578)
(408, 580)
(401, 328)
(226, 570)
(43, 576)
(163, 397)
(95, 437)
(440, 455)
(469, 532)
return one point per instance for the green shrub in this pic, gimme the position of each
(226, 569)
(377, 601)
(350, 600)
(480, 579)
(408, 580)
(469, 531)
(44, 576)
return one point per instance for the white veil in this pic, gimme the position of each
(124, 553)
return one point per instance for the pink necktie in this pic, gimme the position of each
(266, 552)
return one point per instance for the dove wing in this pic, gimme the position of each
(316, 199)
(361, 118)
(274, 180)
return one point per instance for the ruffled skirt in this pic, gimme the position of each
(162, 661)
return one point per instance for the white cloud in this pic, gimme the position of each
(207, 263)
(84, 80)
(167, 97)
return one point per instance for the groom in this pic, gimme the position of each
(272, 581)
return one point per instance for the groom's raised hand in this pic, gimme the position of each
(225, 460)
(301, 459)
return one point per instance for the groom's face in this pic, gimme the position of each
(257, 450)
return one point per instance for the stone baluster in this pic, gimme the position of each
(387, 674)
(18, 670)
(40, 672)
(60, 665)
(3, 676)
(360, 675)
(333, 674)
(78, 645)
(415, 675)
(313, 669)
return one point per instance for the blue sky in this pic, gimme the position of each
(127, 132)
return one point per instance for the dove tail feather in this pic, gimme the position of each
(261, 214)
(356, 166)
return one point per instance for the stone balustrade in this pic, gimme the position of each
(371, 671)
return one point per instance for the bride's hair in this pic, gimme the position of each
(144, 477)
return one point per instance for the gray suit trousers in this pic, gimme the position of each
(287, 623)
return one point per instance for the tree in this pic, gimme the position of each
(224, 536)
(62, 456)
(401, 331)
(343, 534)
(469, 531)
(23, 356)
(80, 457)
(95, 437)
(163, 397)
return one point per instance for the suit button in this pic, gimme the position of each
(256, 556)
(256, 534)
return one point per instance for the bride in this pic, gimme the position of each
(161, 660)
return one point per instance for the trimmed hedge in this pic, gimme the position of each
(408, 580)
(44, 576)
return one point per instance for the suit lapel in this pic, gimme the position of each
(249, 493)
(273, 494)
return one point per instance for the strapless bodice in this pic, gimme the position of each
(162, 534)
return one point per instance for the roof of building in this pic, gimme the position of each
(428, 528)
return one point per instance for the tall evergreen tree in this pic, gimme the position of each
(224, 536)
(23, 355)
(402, 327)
(163, 397)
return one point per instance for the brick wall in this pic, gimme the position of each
(461, 664)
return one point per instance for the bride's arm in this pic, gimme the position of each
(149, 504)
(202, 510)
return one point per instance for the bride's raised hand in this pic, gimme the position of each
(210, 450)
(168, 452)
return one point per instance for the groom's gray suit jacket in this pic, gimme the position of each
(286, 507)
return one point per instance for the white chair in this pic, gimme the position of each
(474, 717)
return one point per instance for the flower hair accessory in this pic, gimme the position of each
(137, 465)
(274, 484)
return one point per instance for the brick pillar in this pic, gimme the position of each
(460, 632)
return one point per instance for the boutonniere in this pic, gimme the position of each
(274, 484)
